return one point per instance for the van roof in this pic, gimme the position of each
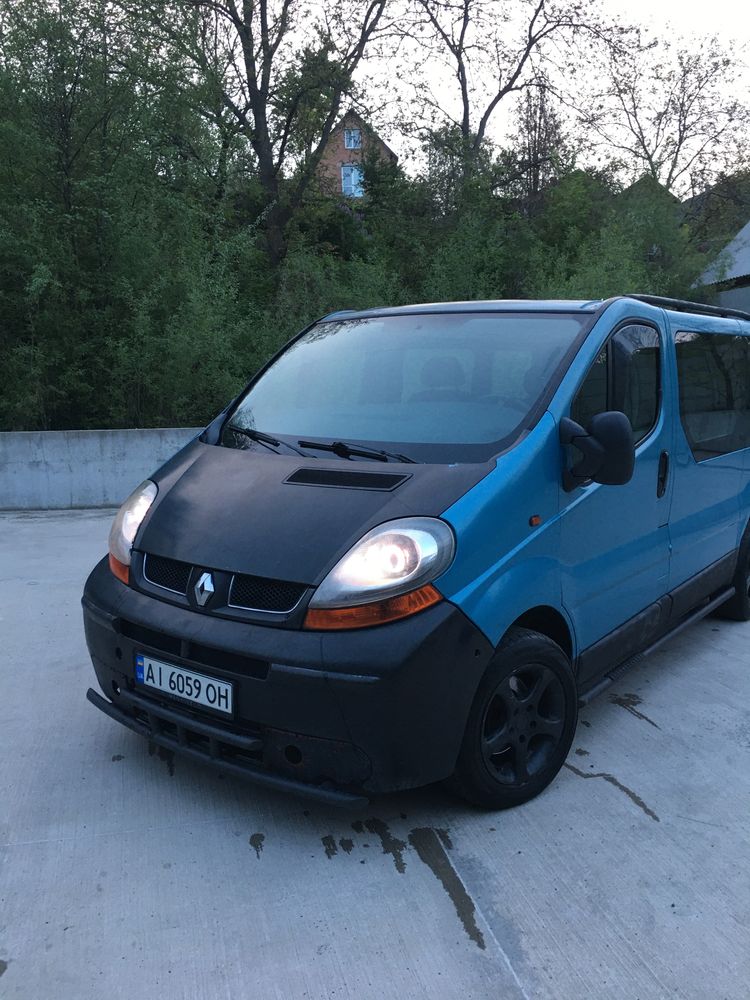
(484, 305)
(587, 306)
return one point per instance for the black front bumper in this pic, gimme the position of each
(331, 715)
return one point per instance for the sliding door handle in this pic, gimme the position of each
(661, 482)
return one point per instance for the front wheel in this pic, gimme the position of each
(521, 723)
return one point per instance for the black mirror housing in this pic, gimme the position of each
(607, 448)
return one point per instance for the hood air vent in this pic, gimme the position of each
(344, 479)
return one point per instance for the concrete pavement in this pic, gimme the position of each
(125, 872)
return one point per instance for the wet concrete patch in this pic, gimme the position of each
(431, 845)
(391, 845)
(163, 753)
(633, 796)
(628, 702)
(256, 842)
(431, 851)
(329, 845)
(445, 837)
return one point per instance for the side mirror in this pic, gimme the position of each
(607, 448)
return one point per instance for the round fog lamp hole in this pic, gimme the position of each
(293, 754)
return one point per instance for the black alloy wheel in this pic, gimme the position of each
(521, 724)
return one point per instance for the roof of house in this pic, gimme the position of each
(733, 262)
(351, 113)
(646, 184)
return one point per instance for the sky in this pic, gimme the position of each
(725, 18)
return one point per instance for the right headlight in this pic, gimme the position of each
(125, 527)
(384, 576)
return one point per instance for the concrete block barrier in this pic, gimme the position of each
(49, 470)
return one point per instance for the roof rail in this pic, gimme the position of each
(682, 305)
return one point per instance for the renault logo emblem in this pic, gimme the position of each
(204, 589)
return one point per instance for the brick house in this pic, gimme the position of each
(351, 142)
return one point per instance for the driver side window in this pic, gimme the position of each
(625, 377)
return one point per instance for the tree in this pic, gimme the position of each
(538, 153)
(284, 95)
(672, 112)
(114, 279)
(492, 50)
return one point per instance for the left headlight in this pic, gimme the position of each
(385, 575)
(125, 527)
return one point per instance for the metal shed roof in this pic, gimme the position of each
(733, 262)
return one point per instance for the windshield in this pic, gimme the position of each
(436, 387)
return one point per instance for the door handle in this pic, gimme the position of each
(661, 482)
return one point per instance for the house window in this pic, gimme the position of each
(353, 138)
(351, 180)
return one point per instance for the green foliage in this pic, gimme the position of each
(136, 287)
(594, 242)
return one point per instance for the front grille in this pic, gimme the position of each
(167, 573)
(197, 653)
(251, 593)
(260, 594)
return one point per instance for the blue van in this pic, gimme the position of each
(422, 536)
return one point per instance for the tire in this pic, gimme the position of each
(737, 608)
(521, 723)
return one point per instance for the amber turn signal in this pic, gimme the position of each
(376, 613)
(121, 571)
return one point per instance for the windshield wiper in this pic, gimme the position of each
(343, 450)
(271, 443)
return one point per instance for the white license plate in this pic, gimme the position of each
(184, 684)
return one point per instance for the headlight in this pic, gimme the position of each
(125, 527)
(386, 575)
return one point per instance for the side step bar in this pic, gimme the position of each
(616, 673)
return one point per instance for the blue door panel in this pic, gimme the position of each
(614, 540)
(614, 551)
(704, 522)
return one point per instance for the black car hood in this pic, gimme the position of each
(231, 509)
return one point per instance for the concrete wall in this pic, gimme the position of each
(56, 469)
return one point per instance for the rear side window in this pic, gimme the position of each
(625, 377)
(713, 370)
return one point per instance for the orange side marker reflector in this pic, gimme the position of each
(376, 613)
(535, 520)
(121, 571)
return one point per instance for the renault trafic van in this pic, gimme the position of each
(421, 536)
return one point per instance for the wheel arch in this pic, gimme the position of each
(550, 622)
